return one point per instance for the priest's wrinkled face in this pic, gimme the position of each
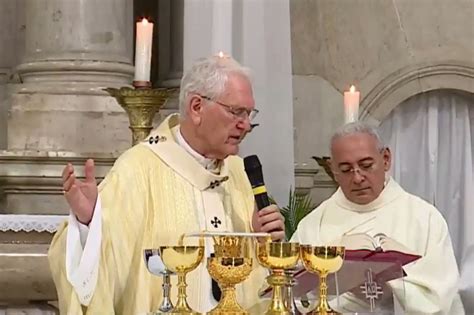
(359, 166)
(220, 124)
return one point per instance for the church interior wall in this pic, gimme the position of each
(390, 50)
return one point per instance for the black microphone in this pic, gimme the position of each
(253, 168)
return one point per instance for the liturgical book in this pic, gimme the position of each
(383, 265)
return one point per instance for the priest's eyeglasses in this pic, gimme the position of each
(362, 168)
(237, 112)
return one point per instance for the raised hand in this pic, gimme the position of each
(81, 195)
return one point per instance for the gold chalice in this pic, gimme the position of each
(278, 256)
(322, 260)
(229, 271)
(229, 267)
(181, 260)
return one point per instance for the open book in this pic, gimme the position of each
(384, 265)
(378, 253)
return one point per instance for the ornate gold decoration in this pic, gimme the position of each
(141, 106)
(322, 260)
(228, 246)
(229, 271)
(229, 267)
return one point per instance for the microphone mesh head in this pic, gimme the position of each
(253, 168)
(251, 162)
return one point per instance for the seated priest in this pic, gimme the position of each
(185, 177)
(370, 204)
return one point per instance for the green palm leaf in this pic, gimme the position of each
(299, 206)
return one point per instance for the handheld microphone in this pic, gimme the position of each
(253, 168)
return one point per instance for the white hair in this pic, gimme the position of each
(358, 127)
(208, 77)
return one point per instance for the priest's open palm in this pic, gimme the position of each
(81, 195)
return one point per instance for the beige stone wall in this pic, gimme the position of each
(390, 49)
(11, 49)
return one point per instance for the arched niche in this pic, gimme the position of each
(407, 82)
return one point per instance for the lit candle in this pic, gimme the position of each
(143, 50)
(351, 105)
(222, 55)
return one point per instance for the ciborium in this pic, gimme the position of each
(155, 266)
(278, 257)
(228, 267)
(182, 259)
(322, 260)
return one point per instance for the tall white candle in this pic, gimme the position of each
(143, 50)
(351, 105)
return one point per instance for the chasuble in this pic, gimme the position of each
(155, 192)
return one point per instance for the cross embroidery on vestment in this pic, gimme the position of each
(216, 222)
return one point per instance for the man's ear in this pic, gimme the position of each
(194, 108)
(387, 159)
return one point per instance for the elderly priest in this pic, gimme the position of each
(369, 203)
(184, 178)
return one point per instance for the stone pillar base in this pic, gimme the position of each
(31, 183)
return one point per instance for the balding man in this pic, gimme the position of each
(369, 203)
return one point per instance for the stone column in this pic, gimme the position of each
(78, 41)
(73, 50)
(3, 106)
(7, 59)
(58, 112)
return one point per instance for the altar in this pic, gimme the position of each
(25, 277)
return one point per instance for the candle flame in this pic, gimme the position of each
(352, 89)
(221, 54)
(144, 21)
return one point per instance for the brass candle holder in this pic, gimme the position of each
(141, 105)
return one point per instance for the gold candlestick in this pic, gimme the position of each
(141, 105)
